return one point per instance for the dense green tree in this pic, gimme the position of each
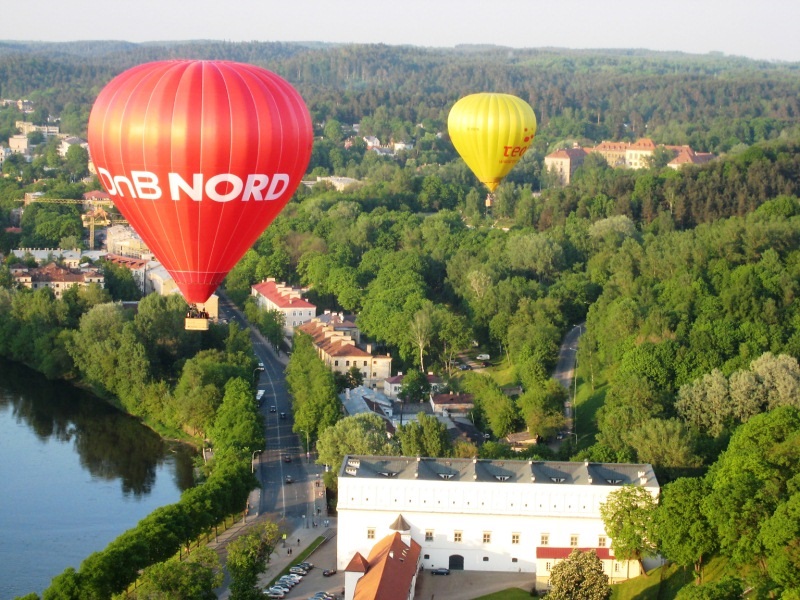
(415, 386)
(426, 436)
(727, 588)
(247, 558)
(628, 515)
(237, 423)
(194, 578)
(749, 481)
(682, 531)
(542, 408)
(664, 443)
(579, 577)
(360, 434)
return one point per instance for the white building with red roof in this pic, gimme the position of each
(287, 300)
(564, 162)
(337, 346)
(390, 572)
(517, 516)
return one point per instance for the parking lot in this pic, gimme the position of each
(466, 585)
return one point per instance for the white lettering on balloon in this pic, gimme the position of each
(224, 187)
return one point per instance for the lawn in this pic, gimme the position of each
(509, 594)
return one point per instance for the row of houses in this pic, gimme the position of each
(635, 155)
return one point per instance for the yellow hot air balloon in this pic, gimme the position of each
(491, 132)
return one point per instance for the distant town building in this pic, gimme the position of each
(68, 143)
(686, 156)
(484, 515)
(287, 300)
(59, 279)
(18, 144)
(565, 162)
(636, 155)
(26, 127)
(124, 241)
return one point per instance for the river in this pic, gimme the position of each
(75, 473)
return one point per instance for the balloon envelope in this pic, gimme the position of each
(491, 132)
(199, 157)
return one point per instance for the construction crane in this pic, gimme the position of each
(95, 217)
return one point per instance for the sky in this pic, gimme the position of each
(764, 29)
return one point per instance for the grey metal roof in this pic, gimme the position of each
(501, 471)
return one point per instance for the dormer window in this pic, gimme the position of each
(558, 479)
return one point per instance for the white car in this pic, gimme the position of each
(483, 357)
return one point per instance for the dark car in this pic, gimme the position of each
(440, 571)
(287, 458)
(273, 409)
(328, 572)
(289, 480)
(283, 415)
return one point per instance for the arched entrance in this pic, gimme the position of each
(456, 562)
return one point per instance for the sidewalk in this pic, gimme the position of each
(279, 559)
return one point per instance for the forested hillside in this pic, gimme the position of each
(711, 102)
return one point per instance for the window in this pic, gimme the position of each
(426, 556)
(545, 541)
(365, 363)
(485, 559)
(457, 536)
(487, 537)
(347, 363)
(573, 541)
(515, 538)
(601, 541)
(336, 363)
(513, 560)
(429, 535)
(547, 567)
(370, 533)
(616, 567)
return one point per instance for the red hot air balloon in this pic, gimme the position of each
(199, 156)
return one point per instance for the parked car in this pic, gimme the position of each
(483, 357)
(328, 572)
(298, 570)
(440, 571)
(463, 367)
(274, 594)
(289, 583)
(305, 565)
(280, 587)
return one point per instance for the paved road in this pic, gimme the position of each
(295, 506)
(565, 369)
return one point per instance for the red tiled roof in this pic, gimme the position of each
(567, 153)
(558, 553)
(95, 195)
(452, 399)
(269, 290)
(358, 564)
(392, 566)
